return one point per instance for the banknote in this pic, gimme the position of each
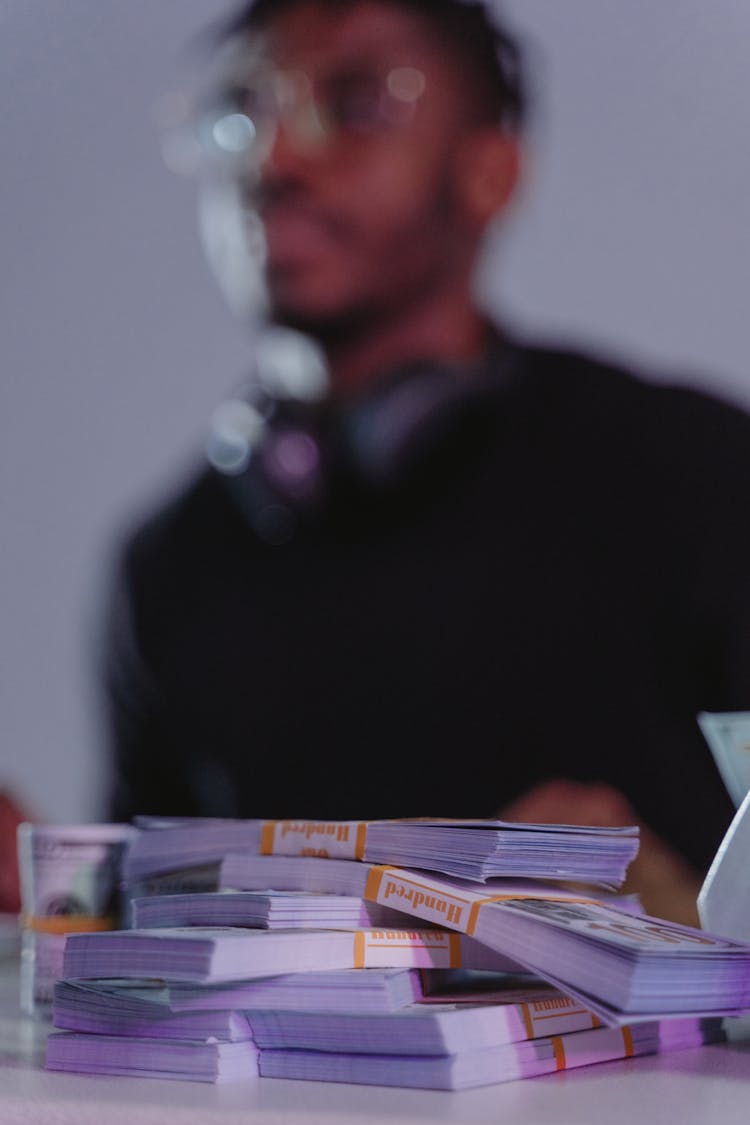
(728, 736)
(70, 877)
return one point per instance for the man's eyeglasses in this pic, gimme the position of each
(240, 125)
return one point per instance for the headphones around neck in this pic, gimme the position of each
(282, 458)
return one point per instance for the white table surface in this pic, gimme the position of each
(702, 1086)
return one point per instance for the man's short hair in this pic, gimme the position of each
(489, 54)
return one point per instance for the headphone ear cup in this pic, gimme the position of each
(394, 432)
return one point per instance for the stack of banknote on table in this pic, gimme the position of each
(320, 955)
(467, 849)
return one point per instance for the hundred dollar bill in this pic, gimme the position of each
(70, 876)
(724, 898)
(728, 736)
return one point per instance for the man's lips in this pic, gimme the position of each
(296, 234)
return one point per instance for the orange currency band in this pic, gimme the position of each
(359, 950)
(423, 885)
(266, 836)
(268, 832)
(527, 1021)
(559, 1048)
(68, 923)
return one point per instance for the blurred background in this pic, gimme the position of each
(632, 237)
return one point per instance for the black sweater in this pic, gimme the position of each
(556, 582)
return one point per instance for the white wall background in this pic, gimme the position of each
(633, 235)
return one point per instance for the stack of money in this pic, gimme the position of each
(175, 852)
(267, 973)
(451, 1045)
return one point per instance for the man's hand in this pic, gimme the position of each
(667, 885)
(11, 815)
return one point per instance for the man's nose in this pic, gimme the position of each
(298, 143)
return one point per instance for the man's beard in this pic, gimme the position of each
(331, 330)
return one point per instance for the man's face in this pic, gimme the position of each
(357, 190)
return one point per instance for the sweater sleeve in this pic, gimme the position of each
(145, 774)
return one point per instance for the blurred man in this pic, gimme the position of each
(479, 574)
